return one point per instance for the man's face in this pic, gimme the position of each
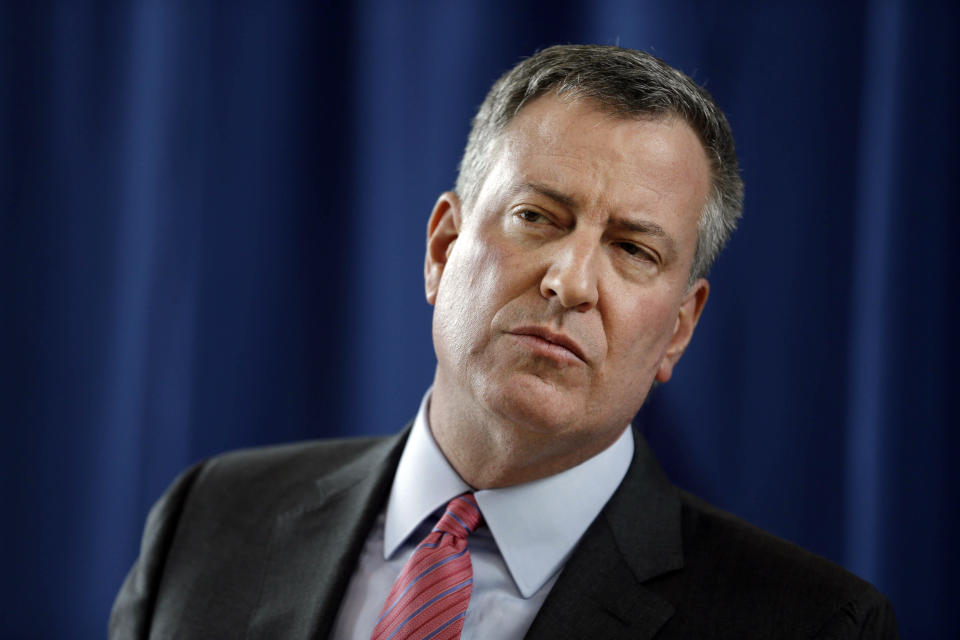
(562, 293)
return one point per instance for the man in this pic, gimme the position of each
(567, 273)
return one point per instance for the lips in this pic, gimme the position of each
(552, 337)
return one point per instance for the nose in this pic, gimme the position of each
(571, 277)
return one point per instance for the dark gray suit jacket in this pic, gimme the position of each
(262, 544)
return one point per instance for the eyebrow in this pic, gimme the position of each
(650, 229)
(563, 198)
(644, 227)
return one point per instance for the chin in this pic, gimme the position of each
(534, 403)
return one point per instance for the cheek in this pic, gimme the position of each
(468, 296)
(639, 337)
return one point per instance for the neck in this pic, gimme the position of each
(490, 452)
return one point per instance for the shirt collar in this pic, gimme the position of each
(536, 524)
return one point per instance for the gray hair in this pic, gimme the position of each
(629, 84)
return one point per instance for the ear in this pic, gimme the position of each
(687, 317)
(442, 231)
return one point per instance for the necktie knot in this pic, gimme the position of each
(461, 518)
(429, 599)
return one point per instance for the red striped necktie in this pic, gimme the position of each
(429, 599)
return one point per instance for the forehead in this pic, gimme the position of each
(603, 162)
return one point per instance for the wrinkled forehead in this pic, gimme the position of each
(574, 137)
(561, 121)
(606, 109)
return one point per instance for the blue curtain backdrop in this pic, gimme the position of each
(212, 220)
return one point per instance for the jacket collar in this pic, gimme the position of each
(637, 537)
(314, 545)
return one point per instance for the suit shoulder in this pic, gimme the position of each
(760, 573)
(309, 457)
(274, 477)
(710, 532)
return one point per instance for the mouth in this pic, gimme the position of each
(555, 341)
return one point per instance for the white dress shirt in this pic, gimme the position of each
(528, 532)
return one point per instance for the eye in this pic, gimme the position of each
(637, 251)
(531, 216)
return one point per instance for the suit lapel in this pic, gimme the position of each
(637, 537)
(314, 547)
